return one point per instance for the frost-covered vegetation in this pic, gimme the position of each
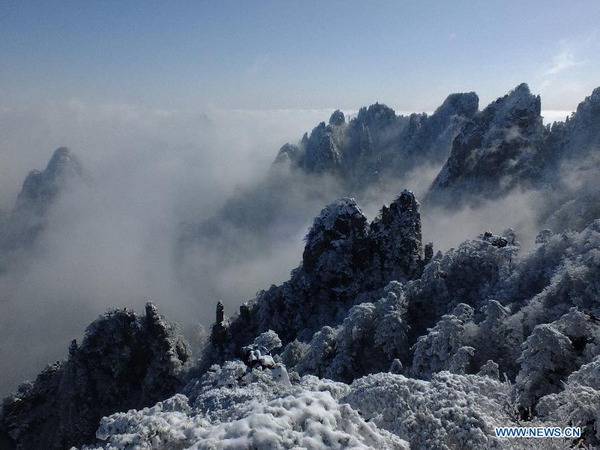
(376, 340)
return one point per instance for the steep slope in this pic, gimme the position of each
(497, 151)
(343, 257)
(40, 190)
(336, 159)
(577, 146)
(377, 143)
(505, 149)
(417, 346)
(416, 343)
(124, 362)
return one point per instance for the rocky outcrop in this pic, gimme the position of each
(377, 143)
(579, 137)
(496, 151)
(574, 145)
(343, 250)
(125, 361)
(40, 190)
(396, 240)
(337, 246)
(344, 256)
(341, 157)
(323, 149)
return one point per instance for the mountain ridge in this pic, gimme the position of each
(374, 329)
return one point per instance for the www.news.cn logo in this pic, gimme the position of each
(538, 432)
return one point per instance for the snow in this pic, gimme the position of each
(264, 414)
(369, 345)
(450, 411)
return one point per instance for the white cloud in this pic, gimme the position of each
(552, 115)
(568, 77)
(562, 61)
(112, 240)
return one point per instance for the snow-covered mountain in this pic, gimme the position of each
(123, 362)
(377, 143)
(376, 340)
(505, 148)
(498, 150)
(341, 158)
(20, 228)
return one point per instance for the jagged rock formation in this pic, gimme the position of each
(575, 143)
(579, 135)
(377, 143)
(219, 333)
(40, 190)
(125, 361)
(498, 150)
(368, 299)
(343, 257)
(505, 148)
(484, 155)
(398, 253)
(340, 158)
(337, 247)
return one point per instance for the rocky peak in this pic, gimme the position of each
(40, 188)
(397, 240)
(581, 132)
(322, 150)
(39, 191)
(519, 108)
(337, 118)
(462, 104)
(288, 155)
(125, 361)
(590, 107)
(343, 256)
(63, 165)
(341, 247)
(332, 250)
(376, 116)
(498, 149)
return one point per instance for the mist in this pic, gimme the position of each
(110, 238)
(113, 238)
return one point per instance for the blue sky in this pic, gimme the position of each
(296, 54)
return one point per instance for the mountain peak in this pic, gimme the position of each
(63, 164)
(493, 146)
(337, 118)
(40, 188)
(519, 107)
(466, 104)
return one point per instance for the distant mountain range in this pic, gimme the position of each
(376, 340)
(481, 156)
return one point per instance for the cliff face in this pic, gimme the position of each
(377, 143)
(345, 256)
(498, 150)
(505, 148)
(40, 190)
(125, 361)
(417, 334)
(338, 158)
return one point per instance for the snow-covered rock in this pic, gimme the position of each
(125, 361)
(448, 412)
(40, 189)
(496, 151)
(256, 415)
